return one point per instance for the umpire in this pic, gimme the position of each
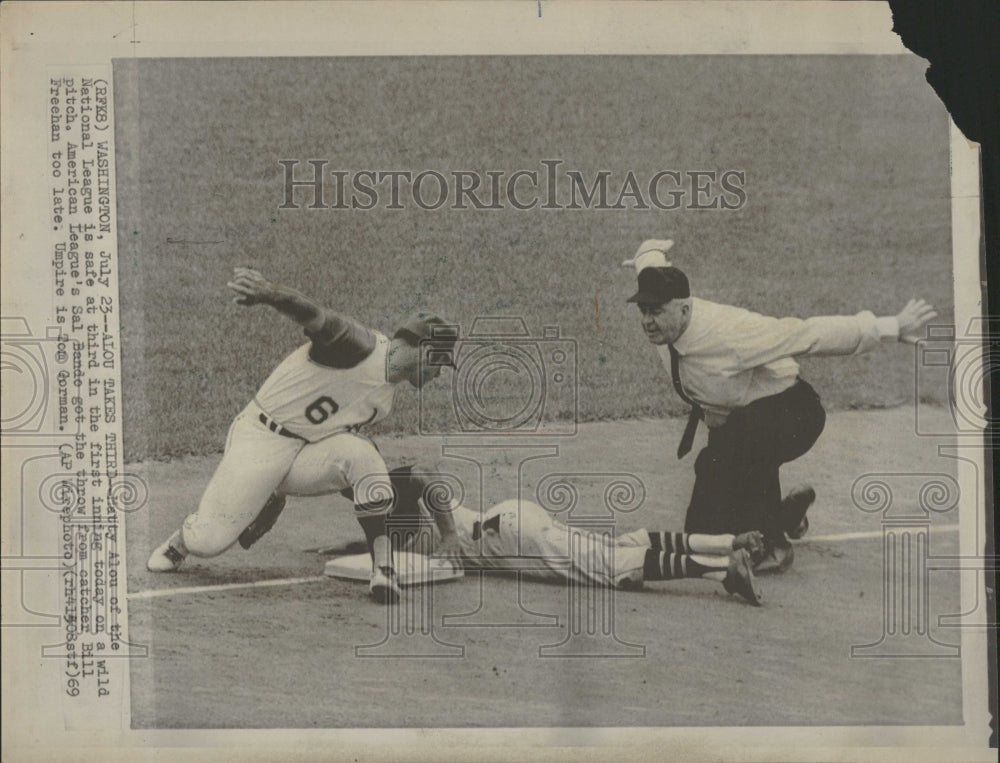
(737, 371)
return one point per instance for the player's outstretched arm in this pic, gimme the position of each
(252, 288)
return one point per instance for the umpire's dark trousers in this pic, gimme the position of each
(736, 485)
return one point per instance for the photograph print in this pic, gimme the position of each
(493, 391)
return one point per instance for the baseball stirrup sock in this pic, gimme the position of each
(177, 542)
(378, 539)
(663, 565)
(690, 543)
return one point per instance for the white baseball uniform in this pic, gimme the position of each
(522, 535)
(299, 435)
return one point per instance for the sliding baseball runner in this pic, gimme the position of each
(507, 535)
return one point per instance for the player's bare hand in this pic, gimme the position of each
(250, 286)
(913, 318)
(448, 547)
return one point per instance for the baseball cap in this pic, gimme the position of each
(435, 331)
(658, 285)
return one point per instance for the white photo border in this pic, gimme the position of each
(40, 35)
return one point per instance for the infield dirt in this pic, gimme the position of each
(285, 656)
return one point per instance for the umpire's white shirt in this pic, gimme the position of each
(730, 356)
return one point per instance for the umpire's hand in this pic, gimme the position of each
(913, 318)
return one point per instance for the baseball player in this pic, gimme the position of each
(521, 535)
(738, 372)
(300, 435)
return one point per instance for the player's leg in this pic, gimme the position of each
(254, 463)
(345, 461)
(515, 531)
(700, 543)
(263, 522)
(666, 565)
(649, 556)
(665, 556)
(734, 570)
(317, 474)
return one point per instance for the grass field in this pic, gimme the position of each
(839, 215)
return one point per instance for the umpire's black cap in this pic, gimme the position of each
(658, 285)
(431, 329)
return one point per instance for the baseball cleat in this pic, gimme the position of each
(778, 556)
(753, 542)
(793, 510)
(384, 585)
(799, 530)
(167, 557)
(264, 521)
(739, 577)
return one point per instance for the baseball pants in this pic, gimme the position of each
(737, 488)
(547, 550)
(258, 462)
